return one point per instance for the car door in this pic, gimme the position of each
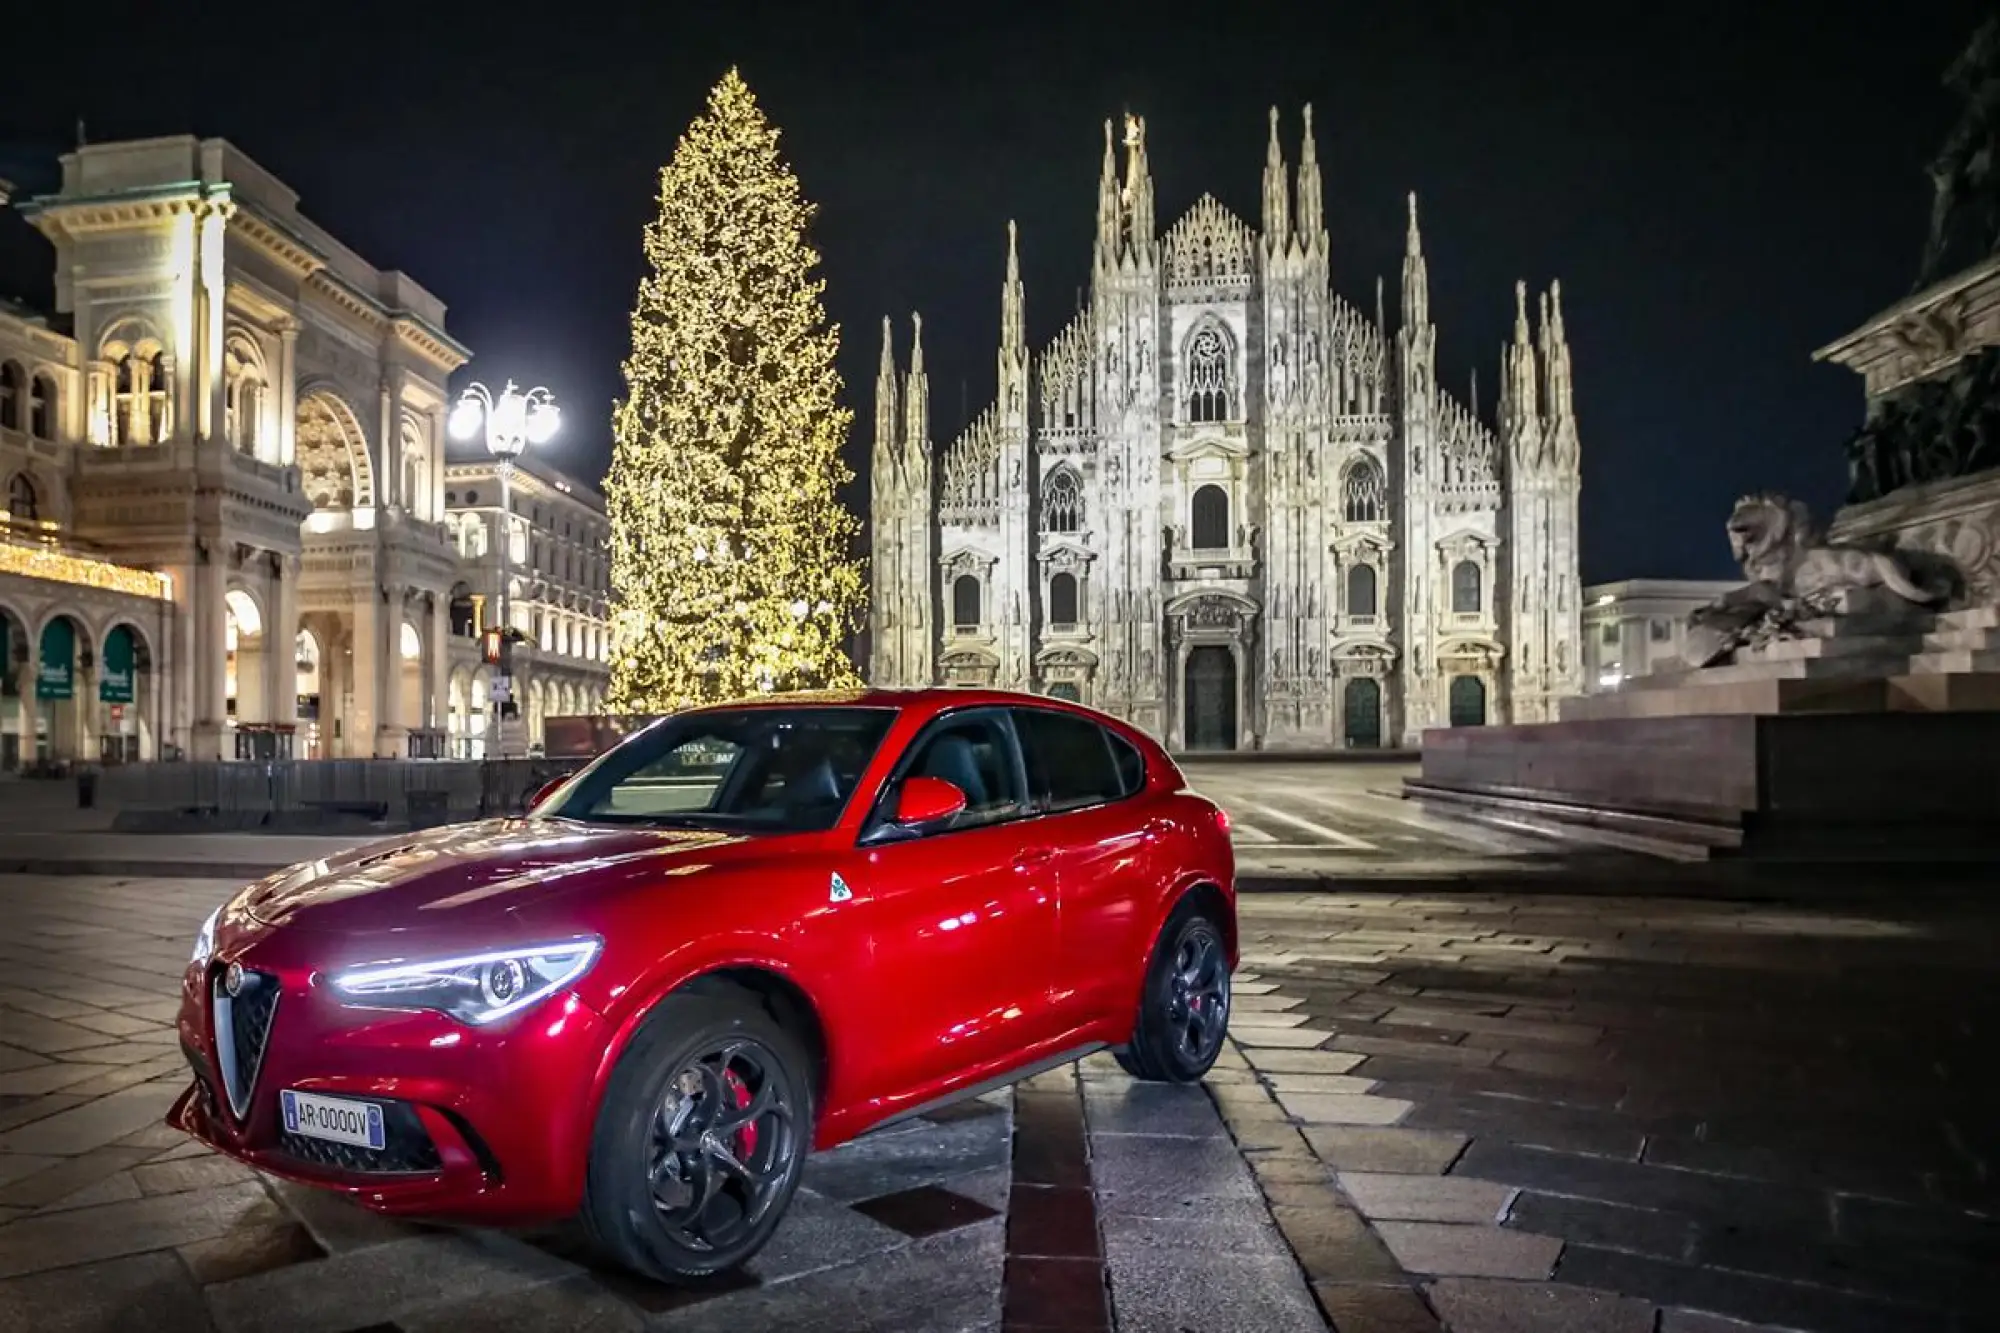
(1082, 781)
(961, 927)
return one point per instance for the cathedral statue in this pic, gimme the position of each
(1965, 174)
(1186, 530)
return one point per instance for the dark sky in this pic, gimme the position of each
(1721, 188)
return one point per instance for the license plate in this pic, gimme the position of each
(333, 1119)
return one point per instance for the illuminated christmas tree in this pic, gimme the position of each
(732, 571)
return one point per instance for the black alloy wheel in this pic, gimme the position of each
(1184, 1006)
(701, 1139)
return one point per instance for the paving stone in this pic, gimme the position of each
(52, 1077)
(1410, 1198)
(346, 1291)
(1280, 1038)
(1215, 1292)
(142, 1293)
(1341, 1084)
(1512, 1029)
(1376, 1148)
(44, 1036)
(1614, 1226)
(1414, 1050)
(120, 1188)
(337, 1225)
(1333, 1244)
(13, 1058)
(1273, 1061)
(85, 1235)
(1740, 1295)
(1696, 1321)
(1637, 1185)
(1364, 1309)
(1147, 1108)
(67, 1175)
(1561, 1128)
(31, 1109)
(18, 1166)
(268, 1243)
(1190, 1169)
(1484, 1305)
(883, 1164)
(1469, 1251)
(93, 1124)
(1337, 1109)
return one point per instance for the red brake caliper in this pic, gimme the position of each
(746, 1138)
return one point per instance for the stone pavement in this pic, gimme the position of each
(1509, 1112)
(1480, 1113)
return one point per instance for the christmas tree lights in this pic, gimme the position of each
(732, 571)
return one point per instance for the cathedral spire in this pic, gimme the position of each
(1137, 195)
(1416, 278)
(1560, 424)
(1520, 424)
(1110, 211)
(1310, 216)
(885, 410)
(1013, 331)
(917, 411)
(1277, 212)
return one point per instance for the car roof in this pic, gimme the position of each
(922, 700)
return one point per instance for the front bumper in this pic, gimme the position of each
(483, 1124)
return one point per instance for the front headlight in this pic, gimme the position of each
(204, 943)
(474, 988)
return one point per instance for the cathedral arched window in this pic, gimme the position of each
(1209, 521)
(1361, 498)
(1062, 601)
(965, 602)
(42, 408)
(13, 388)
(1208, 379)
(242, 394)
(23, 504)
(1062, 503)
(1361, 590)
(1465, 588)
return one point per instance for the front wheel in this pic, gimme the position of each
(701, 1138)
(1184, 1007)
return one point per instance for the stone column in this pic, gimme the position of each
(204, 658)
(288, 393)
(281, 637)
(437, 669)
(392, 729)
(365, 668)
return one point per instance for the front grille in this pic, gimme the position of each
(242, 1031)
(406, 1146)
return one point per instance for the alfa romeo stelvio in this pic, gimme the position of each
(744, 933)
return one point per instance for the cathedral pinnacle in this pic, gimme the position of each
(888, 350)
(1277, 225)
(916, 341)
(1413, 241)
(1520, 313)
(1310, 215)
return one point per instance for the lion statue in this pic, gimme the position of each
(1793, 576)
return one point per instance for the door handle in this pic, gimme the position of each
(1032, 857)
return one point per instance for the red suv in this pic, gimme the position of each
(746, 932)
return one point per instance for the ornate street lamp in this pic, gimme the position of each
(511, 422)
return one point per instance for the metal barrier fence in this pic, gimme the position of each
(436, 791)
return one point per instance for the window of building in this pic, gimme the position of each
(1361, 493)
(1608, 635)
(1062, 601)
(965, 602)
(1209, 529)
(42, 408)
(1062, 503)
(1466, 592)
(1660, 631)
(1361, 590)
(23, 504)
(1208, 378)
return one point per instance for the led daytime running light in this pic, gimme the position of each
(476, 988)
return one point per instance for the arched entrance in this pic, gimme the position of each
(58, 726)
(1468, 701)
(124, 692)
(1209, 698)
(16, 693)
(1361, 713)
(308, 686)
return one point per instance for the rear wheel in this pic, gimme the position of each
(701, 1138)
(1184, 1006)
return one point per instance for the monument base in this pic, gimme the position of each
(1802, 786)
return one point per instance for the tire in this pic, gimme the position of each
(702, 1056)
(1184, 1004)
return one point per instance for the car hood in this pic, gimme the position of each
(448, 877)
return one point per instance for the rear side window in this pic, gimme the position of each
(1072, 762)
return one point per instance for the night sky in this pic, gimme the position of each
(1721, 188)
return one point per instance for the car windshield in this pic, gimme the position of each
(768, 768)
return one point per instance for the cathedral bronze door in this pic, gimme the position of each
(1468, 701)
(1361, 707)
(1209, 698)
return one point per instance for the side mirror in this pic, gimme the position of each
(543, 792)
(927, 800)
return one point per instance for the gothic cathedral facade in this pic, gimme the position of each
(1225, 505)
